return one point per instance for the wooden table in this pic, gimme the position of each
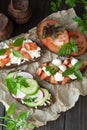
(76, 118)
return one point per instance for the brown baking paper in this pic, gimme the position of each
(66, 95)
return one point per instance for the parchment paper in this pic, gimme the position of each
(66, 95)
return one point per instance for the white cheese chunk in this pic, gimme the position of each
(3, 56)
(74, 61)
(58, 77)
(72, 76)
(57, 62)
(47, 72)
(62, 67)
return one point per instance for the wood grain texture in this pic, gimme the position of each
(76, 118)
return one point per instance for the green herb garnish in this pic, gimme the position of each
(16, 53)
(2, 51)
(18, 122)
(29, 99)
(74, 70)
(68, 48)
(82, 21)
(19, 41)
(12, 83)
(52, 70)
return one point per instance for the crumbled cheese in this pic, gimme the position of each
(57, 62)
(62, 67)
(58, 77)
(34, 53)
(73, 61)
(3, 56)
(72, 76)
(47, 72)
(59, 43)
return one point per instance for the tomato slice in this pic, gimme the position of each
(53, 44)
(3, 62)
(81, 42)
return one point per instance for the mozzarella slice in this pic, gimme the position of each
(62, 67)
(47, 72)
(57, 62)
(73, 61)
(72, 76)
(58, 77)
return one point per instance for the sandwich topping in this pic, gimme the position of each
(24, 88)
(61, 71)
(18, 52)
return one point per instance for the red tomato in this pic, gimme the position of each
(52, 44)
(80, 41)
(25, 55)
(30, 46)
(3, 62)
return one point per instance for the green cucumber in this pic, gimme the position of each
(36, 101)
(10, 75)
(32, 89)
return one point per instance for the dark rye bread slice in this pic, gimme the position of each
(23, 73)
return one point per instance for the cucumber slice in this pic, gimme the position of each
(10, 75)
(32, 89)
(38, 99)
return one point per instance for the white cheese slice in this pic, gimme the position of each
(47, 72)
(73, 61)
(57, 62)
(72, 76)
(62, 67)
(58, 77)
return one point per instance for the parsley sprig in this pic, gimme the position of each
(82, 21)
(75, 70)
(68, 48)
(14, 83)
(17, 123)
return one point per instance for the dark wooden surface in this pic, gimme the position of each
(76, 118)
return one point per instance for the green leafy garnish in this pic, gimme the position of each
(22, 81)
(16, 53)
(29, 99)
(75, 70)
(52, 70)
(82, 21)
(2, 51)
(11, 85)
(68, 48)
(19, 41)
(18, 122)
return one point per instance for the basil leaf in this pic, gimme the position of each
(11, 125)
(2, 51)
(23, 116)
(19, 41)
(78, 65)
(16, 53)
(48, 68)
(78, 74)
(68, 48)
(11, 85)
(11, 109)
(68, 71)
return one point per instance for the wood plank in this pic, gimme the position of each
(76, 118)
(54, 125)
(2, 112)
